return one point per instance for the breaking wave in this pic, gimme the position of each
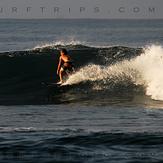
(144, 70)
(106, 70)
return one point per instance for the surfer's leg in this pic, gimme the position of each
(60, 76)
(61, 73)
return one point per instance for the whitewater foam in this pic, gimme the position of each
(144, 70)
(150, 65)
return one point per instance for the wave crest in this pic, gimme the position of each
(58, 44)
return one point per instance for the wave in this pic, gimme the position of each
(141, 71)
(104, 70)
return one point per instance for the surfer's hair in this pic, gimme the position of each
(64, 51)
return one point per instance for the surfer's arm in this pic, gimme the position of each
(59, 65)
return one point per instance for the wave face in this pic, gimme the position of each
(99, 71)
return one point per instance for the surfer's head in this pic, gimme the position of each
(63, 52)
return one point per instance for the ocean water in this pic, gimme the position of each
(109, 110)
(27, 34)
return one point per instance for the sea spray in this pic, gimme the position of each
(150, 65)
(105, 77)
(144, 70)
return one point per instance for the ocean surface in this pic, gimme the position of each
(109, 110)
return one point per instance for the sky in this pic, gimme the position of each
(102, 9)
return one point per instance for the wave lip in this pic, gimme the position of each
(59, 44)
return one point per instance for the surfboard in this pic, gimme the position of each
(56, 86)
(50, 84)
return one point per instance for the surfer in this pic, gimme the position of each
(65, 65)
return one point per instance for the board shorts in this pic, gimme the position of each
(67, 67)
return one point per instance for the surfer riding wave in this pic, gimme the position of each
(65, 65)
